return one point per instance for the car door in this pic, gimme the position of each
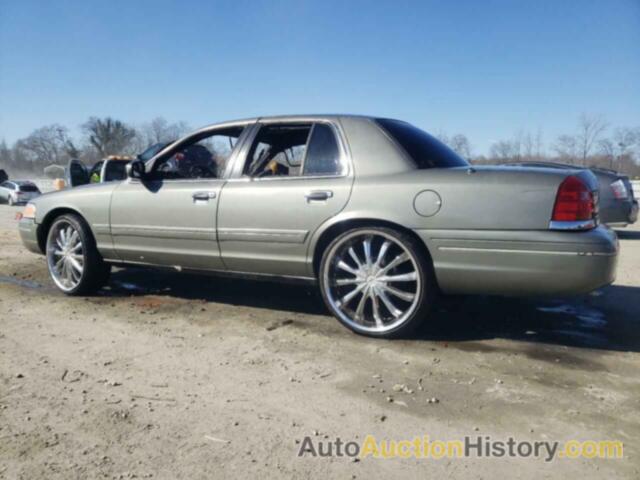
(169, 218)
(76, 174)
(265, 222)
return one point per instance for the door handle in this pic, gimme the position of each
(318, 195)
(206, 196)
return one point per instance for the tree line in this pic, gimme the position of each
(100, 137)
(593, 143)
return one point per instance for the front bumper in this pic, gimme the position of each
(28, 229)
(522, 263)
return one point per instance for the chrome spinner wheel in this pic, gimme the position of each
(65, 256)
(372, 281)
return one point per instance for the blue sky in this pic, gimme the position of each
(486, 68)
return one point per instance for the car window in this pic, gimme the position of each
(6, 185)
(278, 151)
(152, 150)
(425, 150)
(116, 170)
(323, 155)
(28, 188)
(205, 156)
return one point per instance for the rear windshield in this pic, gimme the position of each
(28, 188)
(425, 150)
(116, 170)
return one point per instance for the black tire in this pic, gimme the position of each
(426, 288)
(95, 273)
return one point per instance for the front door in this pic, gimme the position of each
(294, 178)
(166, 222)
(169, 217)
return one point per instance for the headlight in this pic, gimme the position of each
(29, 211)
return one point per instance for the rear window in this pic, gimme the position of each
(116, 170)
(425, 150)
(28, 188)
(323, 156)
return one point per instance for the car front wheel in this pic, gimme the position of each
(75, 265)
(377, 282)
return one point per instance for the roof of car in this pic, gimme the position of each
(21, 183)
(293, 118)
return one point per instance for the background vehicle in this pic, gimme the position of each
(18, 191)
(381, 215)
(111, 169)
(618, 207)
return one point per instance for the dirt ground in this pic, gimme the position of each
(178, 376)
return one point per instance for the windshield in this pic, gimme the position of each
(425, 150)
(149, 153)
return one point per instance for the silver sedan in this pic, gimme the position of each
(376, 212)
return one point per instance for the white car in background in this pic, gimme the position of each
(15, 192)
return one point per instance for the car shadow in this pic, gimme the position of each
(607, 319)
(231, 291)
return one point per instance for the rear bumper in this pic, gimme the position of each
(522, 263)
(29, 234)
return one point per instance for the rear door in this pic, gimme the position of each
(285, 187)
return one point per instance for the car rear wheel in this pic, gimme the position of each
(75, 265)
(377, 282)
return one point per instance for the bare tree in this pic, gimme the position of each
(505, 151)
(46, 146)
(109, 136)
(590, 129)
(619, 146)
(566, 147)
(459, 143)
(538, 144)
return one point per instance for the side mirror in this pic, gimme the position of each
(135, 169)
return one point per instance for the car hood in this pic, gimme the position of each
(82, 190)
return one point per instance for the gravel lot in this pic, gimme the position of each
(172, 376)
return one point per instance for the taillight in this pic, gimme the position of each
(575, 205)
(619, 190)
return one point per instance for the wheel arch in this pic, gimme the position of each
(341, 226)
(49, 218)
